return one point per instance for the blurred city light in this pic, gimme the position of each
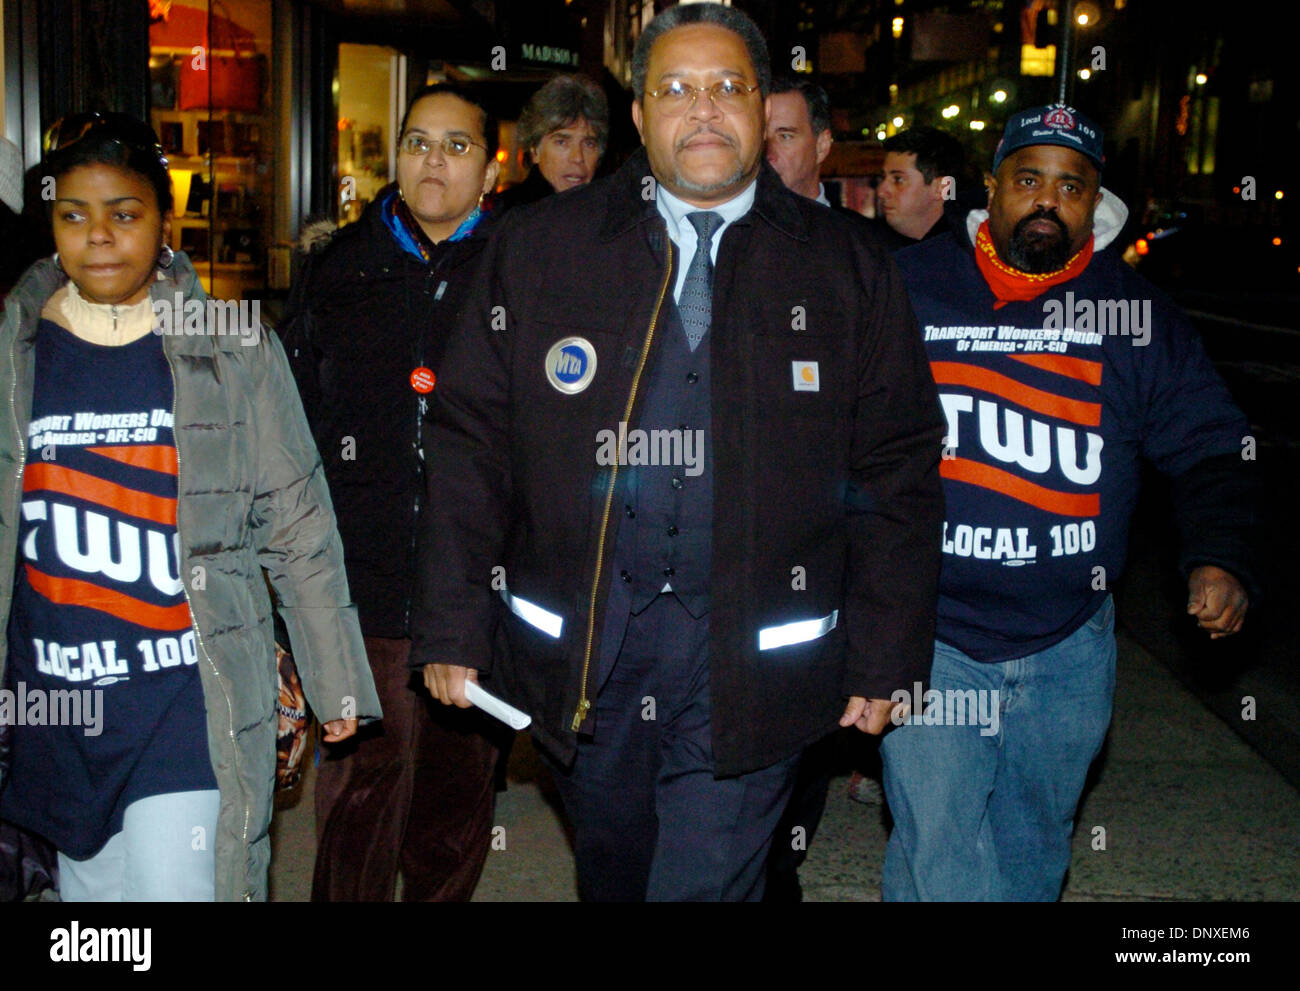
(952, 110)
(1037, 61)
(977, 125)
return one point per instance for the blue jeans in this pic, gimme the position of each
(165, 852)
(987, 816)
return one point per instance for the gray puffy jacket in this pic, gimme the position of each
(251, 496)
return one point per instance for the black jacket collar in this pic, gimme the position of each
(626, 202)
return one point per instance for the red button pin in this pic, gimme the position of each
(422, 379)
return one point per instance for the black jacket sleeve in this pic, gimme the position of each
(895, 499)
(463, 527)
(296, 332)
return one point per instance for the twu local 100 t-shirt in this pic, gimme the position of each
(99, 609)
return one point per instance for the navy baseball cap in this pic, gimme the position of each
(1055, 124)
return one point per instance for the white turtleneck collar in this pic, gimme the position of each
(105, 323)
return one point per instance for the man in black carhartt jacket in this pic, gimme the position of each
(683, 623)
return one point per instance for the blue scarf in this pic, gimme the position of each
(410, 235)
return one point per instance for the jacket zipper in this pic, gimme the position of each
(584, 703)
(13, 408)
(421, 406)
(230, 709)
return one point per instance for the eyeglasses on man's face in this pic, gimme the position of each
(731, 96)
(452, 145)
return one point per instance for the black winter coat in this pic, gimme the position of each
(823, 500)
(363, 314)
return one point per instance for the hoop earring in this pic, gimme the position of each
(166, 256)
(58, 264)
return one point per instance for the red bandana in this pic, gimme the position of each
(1010, 283)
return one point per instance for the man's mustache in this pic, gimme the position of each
(706, 129)
(1040, 214)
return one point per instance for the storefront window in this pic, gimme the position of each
(211, 106)
(369, 101)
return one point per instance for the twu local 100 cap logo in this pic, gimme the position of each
(1059, 118)
(571, 364)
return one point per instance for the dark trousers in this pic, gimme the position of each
(843, 749)
(798, 825)
(414, 791)
(651, 822)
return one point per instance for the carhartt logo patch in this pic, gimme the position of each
(806, 378)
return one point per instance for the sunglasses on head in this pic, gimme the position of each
(122, 128)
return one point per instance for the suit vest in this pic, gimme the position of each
(665, 526)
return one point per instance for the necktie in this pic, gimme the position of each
(696, 302)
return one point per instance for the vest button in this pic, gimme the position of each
(669, 572)
(692, 378)
(677, 483)
(631, 513)
(625, 576)
(672, 531)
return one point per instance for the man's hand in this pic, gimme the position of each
(446, 683)
(339, 729)
(871, 715)
(1217, 600)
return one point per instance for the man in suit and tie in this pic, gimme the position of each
(683, 467)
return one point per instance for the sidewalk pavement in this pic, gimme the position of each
(1178, 808)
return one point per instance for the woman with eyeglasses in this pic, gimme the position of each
(367, 321)
(157, 467)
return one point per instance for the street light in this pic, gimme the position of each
(999, 96)
(898, 121)
(952, 110)
(1086, 14)
(977, 125)
(1202, 79)
(1082, 15)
